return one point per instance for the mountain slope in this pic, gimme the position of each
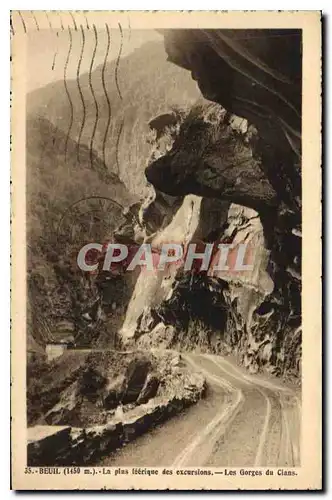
(87, 146)
(117, 128)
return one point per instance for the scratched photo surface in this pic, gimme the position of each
(151, 137)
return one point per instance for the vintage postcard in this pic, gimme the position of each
(166, 250)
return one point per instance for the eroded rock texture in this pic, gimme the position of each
(251, 161)
(96, 402)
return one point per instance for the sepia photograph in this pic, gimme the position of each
(160, 297)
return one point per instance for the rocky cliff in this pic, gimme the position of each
(222, 170)
(257, 167)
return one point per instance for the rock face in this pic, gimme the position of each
(210, 158)
(82, 389)
(95, 403)
(256, 74)
(136, 375)
(52, 445)
(154, 286)
(149, 390)
(234, 163)
(226, 171)
(258, 167)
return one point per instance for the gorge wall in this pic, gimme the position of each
(221, 169)
(254, 315)
(258, 168)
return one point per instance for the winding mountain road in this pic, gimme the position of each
(243, 420)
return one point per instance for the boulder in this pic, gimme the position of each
(113, 393)
(136, 375)
(90, 383)
(149, 389)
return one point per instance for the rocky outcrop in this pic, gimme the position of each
(112, 399)
(255, 315)
(82, 389)
(240, 158)
(256, 74)
(76, 446)
(136, 378)
(153, 286)
(210, 158)
(149, 389)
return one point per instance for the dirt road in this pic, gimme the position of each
(244, 420)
